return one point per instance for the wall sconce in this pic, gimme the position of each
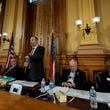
(87, 29)
(3, 37)
(35, 1)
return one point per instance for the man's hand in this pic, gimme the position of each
(26, 64)
(0, 76)
(27, 57)
(69, 84)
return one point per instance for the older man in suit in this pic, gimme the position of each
(73, 77)
(15, 70)
(35, 60)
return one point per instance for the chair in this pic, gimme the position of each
(97, 79)
(0, 68)
(16, 89)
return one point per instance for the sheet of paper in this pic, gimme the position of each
(16, 82)
(103, 97)
(62, 89)
(29, 84)
(24, 83)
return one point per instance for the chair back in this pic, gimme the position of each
(0, 68)
(97, 79)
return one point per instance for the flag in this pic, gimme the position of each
(52, 58)
(11, 52)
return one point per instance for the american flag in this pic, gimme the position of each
(11, 52)
(52, 58)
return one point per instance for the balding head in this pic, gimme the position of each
(73, 65)
(33, 41)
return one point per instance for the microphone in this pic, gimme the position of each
(49, 92)
(71, 100)
(26, 63)
(46, 93)
(54, 99)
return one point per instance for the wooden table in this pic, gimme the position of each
(10, 101)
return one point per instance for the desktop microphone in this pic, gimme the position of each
(46, 93)
(26, 63)
(53, 96)
(71, 100)
(50, 94)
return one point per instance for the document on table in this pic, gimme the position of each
(24, 83)
(101, 97)
(78, 93)
(62, 89)
(72, 92)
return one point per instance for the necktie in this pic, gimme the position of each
(32, 51)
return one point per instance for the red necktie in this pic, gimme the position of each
(32, 51)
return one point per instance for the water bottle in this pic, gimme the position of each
(51, 93)
(43, 83)
(51, 84)
(92, 96)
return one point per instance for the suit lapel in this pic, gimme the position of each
(76, 76)
(36, 50)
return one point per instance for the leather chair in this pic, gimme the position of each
(0, 69)
(97, 79)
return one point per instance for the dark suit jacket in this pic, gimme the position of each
(80, 79)
(16, 72)
(104, 84)
(36, 72)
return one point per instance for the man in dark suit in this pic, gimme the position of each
(15, 70)
(104, 78)
(73, 77)
(35, 58)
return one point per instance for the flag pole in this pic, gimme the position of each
(11, 52)
(52, 57)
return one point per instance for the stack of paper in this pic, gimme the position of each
(24, 83)
(61, 96)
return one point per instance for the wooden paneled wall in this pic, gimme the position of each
(39, 20)
(87, 63)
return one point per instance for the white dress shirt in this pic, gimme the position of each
(71, 77)
(34, 49)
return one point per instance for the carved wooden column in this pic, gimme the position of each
(87, 13)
